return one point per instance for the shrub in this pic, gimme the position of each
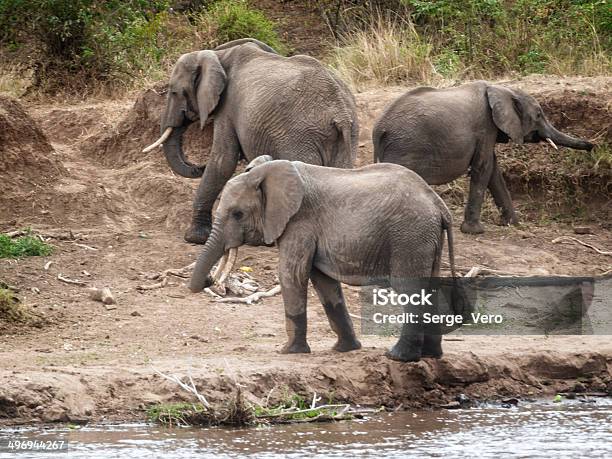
(473, 38)
(80, 46)
(228, 20)
(387, 51)
(24, 246)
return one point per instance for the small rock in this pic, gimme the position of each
(511, 401)
(35, 290)
(102, 294)
(583, 230)
(579, 387)
(463, 400)
(451, 406)
(136, 314)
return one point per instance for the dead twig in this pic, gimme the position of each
(71, 281)
(189, 388)
(86, 247)
(477, 270)
(160, 284)
(252, 298)
(573, 239)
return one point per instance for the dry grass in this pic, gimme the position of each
(387, 52)
(14, 80)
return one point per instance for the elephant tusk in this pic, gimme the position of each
(549, 140)
(219, 268)
(159, 141)
(232, 254)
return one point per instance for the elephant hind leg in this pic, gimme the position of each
(330, 294)
(501, 196)
(481, 169)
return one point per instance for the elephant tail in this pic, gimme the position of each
(378, 141)
(447, 225)
(346, 152)
(461, 300)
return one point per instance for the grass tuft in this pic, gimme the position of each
(11, 309)
(23, 246)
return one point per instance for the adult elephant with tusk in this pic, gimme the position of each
(380, 224)
(261, 103)
(442, 134)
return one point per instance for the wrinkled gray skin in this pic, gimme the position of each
(380, 224)
(261, 103)
(442, 133)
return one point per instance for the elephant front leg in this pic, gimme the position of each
(501, 195)
(294, 267)
(330, 294)
(219, 169)
(480, 174)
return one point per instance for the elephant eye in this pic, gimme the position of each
(237, 214)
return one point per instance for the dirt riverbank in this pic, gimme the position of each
(117, 217)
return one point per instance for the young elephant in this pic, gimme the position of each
(380, 224)
(442, 133)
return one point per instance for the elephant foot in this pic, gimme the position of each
(346, 345)
(301, 347)
(432, 355)
(197, 234)
(403, 355)
(472, 228)
(509, 219)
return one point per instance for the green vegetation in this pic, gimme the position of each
(179, 414)
(228, 20)
(236, 412)
(24, 246)
(437, 39)
(66, 45)
(10, 307)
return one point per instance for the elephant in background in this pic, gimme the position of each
(442, 134)
(261, 103)
(377, 225)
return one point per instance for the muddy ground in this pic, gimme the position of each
(116, 216)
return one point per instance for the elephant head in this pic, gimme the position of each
(254, 209)
(196, 85)
(520, 117)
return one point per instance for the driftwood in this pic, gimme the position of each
(71, 281)
(252, 298)
(578, 241)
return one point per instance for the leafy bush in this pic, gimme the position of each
(83, 45)
(228, 20)
(475, 38)
(24, 246)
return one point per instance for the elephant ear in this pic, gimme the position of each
(242, 41)
(505, 109)
(258, 161)
(283, 191)
(211, 84)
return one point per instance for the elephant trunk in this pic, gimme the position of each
(173, 149)
(214, 250)
(550, 133)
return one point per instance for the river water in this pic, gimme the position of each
(539, 430)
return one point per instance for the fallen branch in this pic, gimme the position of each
(573, 239)
(189, 388)
(483, 270)
(252, 298)
(86, 247)
(160, 284)
(71, 281)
